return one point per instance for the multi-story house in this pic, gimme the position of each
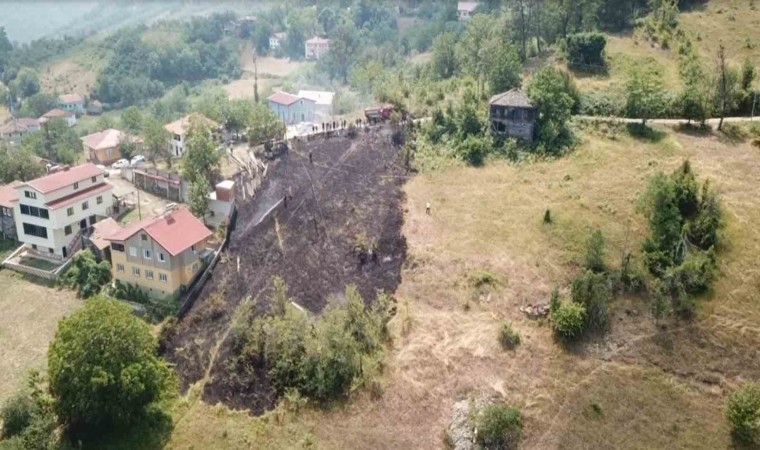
(8, 197)
(513, 114)
(50, 211)
(69, 116)
(71, 102)
(179, 128)
(18, 129)
(291, 108)
(316, 47)
(276, 40)
(161, 255)
(465, 10)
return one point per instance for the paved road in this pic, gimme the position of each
(713, 123)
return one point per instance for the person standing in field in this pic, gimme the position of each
(427, 208)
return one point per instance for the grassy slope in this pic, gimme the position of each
(653, 388)
(30, 316)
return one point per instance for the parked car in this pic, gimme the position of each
(120, 164)
(103, 168)
(137, 160)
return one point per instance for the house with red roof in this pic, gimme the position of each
(8, 197)
(316, 47)
(291, 108)
(69, 116)
(161, 255)
(50, 211)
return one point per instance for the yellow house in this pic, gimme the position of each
(161, 255)
(103, 147)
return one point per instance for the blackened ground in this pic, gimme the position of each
(352, 188)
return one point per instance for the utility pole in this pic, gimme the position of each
(255, 78)
(139, 213)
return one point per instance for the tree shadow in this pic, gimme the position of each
(152, 432)
(694, 129)
(645, 133)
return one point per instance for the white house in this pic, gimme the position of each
(179, 128)
(291, 108)
(276, 40)
(71, 102)
(69, 116)
(50, 210)
(466, 9)
(316, 47)
(323, 102)
(18, 129)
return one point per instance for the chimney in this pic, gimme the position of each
(225, 191)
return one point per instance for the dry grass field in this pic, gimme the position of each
(640, 386)
(29, 318)
(76, 72)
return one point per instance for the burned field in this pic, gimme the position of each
(328, 215)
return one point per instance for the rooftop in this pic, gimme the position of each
(318, 40)
(80, 195)
(319, 97)
(109, 138)
(467, 6)
(103, 229)
(66, 177)
(70, 98)
(283, 98)
(57, 112)
(513, 97)
(175, 231)
(8, 194)
(182, 125)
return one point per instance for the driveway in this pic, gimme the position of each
(150, 205)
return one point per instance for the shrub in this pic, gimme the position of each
(86, 274)
(569, 320)
(130, 292)
(743, 412)
(547, 216)
(592, 290)
(586, 49)
(17, 415)
(607, 104)
(103, 367)
(499, 427)
(508, 338)
(595, 252)
(695, 274)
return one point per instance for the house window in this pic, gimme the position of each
(94, 179)
(35, 230)
(7, 212)
(34, 211)
(70, 211)
(146, 254)
(30, 194)
(162, 277)
(76, 185)
(161, 257)
(149, 274)
(132, 251)
(136, 271)
(117, 247)
(192, 247)
(67, 230)
(144, 237)
(99, 199)
(50, 250)
(120, 267)
(85, 205)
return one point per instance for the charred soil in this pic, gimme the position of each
(329, 215)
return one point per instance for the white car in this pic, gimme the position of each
(120, 164)
(137, 160)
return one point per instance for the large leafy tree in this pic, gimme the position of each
(264, 125)
(344, 45)
(156, 140)
(103, 367)
(18, 164)
(477, 45)
(201, 158)
(504, 69)
(444, 55)
(644, 94)
(26, 84)
(87, 275)
(132, 119)
(199, 190)
(553, 96)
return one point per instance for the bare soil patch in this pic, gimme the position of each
(352, 188)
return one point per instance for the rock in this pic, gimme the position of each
(461, 431)
(535, 311)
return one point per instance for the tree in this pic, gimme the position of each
(56, 142)
(552, 96)
(132, 120)
(199, 190)
(156, 140)
(644, 94)
(106, 123)
(743, 412)
(505, 68)
(37, 105)
(586, 49)
(694, 99)
(477, 45)
(87, 275)
(264, 125)
(6, 48)
(201, 158)
(595, 252)
(18, 164)
(344, 46)
(103, 367)
(661, 208)
(444, 55)
(26, 84)
(726, 92)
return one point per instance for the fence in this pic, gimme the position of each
(28, 270)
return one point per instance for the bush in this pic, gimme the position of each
(586, 49)
(592, 290)
(87, 274)
(17, 415)
(569, 320)
(103, 367)
(607, 104)
(695, 274)
(508, 338)
(743, 412)
(595, 252)
(499, 427)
